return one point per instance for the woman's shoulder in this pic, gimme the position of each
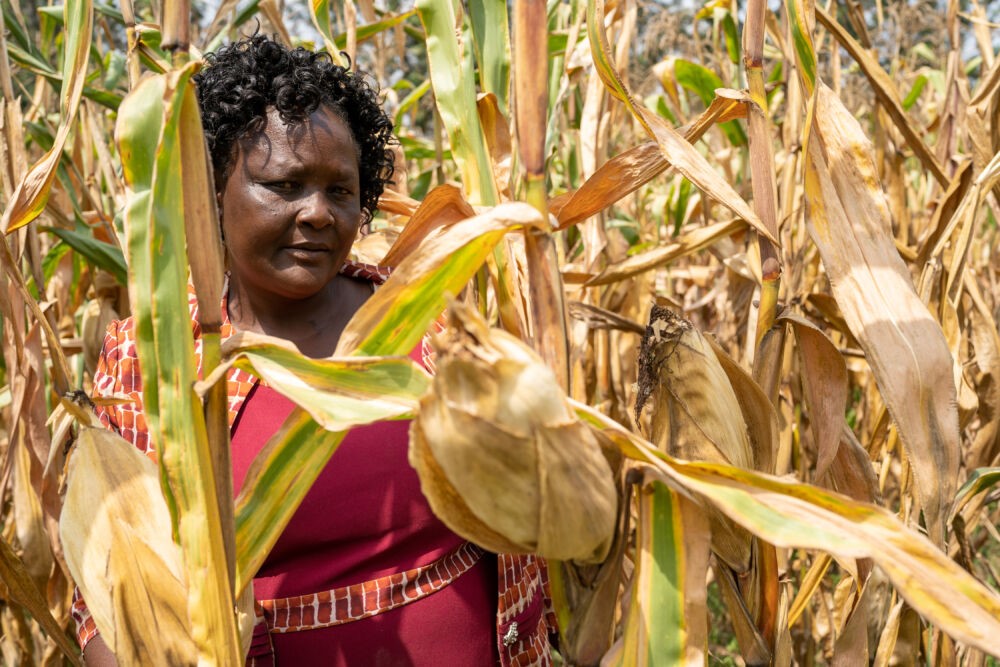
(371, 272)
(120, 335)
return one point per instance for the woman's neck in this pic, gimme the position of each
(313, 324)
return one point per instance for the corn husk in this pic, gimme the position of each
(694, 413)
(115, 531)
(502, 458)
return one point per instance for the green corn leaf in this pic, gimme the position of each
(367, 31)
(703, 82)
(101, 254)
(149, 129)
(802, 41)
(337, 392)
(455, 94)
(980, 481)
(665, 622)
(914, 94)
(731, 35)
(319, 11)
(408, 103)
(698, 79)
(395, 318)
(273, 490)
(491, 34)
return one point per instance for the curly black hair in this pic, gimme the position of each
(241, 81)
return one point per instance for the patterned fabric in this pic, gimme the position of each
(353, 603)
(524, 615)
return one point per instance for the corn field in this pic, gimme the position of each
(724, 275)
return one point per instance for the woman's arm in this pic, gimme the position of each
(97, 654)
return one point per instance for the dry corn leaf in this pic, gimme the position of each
(502, 458)
(115, 529)
(627, 171)
(757, 410)
(397, 203)
(97, 315)
(592, 596)
(682, 246)
(824, 379)
(849, 220)
(850, 472)
(678, 152)
(32, 193)
(497, 133)
(984, 108)
(19, 588)
(443, 206)
(29, 523)
(851, 647)
(986, 343)
(885, 91)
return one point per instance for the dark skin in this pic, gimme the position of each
(290, 210)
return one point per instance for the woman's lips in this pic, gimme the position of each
(307, 251)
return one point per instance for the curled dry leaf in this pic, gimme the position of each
(115, 530)
(443, 206)
(501, 456)
(824, 379)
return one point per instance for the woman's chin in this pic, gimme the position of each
(298, 283)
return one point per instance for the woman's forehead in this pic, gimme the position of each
(324, 121)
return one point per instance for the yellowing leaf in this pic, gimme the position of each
(398, 314)
(32, 193)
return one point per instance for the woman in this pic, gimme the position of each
(299, 149)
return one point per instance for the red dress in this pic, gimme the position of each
(365, 518)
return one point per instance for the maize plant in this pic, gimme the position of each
(713, 290)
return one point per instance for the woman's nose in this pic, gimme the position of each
(315, 210)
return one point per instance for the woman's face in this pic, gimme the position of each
(291, 207)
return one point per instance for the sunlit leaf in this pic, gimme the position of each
(115, 529)
(32, 193)
(149, 141)
(794, 515)
(849, 221)
(455, 96)
(396, 317)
